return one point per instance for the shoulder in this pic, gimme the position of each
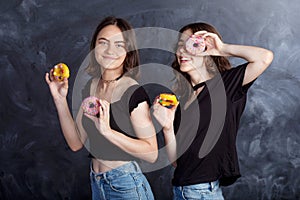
(127, 82)
(125, 88)
(233, 80)
(234, 72)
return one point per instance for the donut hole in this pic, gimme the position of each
(196, 45)
(92, 105)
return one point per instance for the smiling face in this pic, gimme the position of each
(110, 48)
(187, 61)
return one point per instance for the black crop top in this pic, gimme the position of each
(99, 146)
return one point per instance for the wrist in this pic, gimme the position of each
(169, 135)
(106, 132)
(226, 49)
(60, 102)
(168, 130)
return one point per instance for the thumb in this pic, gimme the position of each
(175, 106)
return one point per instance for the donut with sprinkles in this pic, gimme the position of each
(91, 105)
(195, 45)
(61, 71)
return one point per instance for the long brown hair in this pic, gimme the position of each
(132, 58)
(211, 62)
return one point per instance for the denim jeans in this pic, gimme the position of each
(124, 182)
(202, 191)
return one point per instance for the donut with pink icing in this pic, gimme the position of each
(195, 45)
(91, 105)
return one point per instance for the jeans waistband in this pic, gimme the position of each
(202, 186)
(131, 167)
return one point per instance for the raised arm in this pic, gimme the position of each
(165, 117)
(259, 58)
(59, 90)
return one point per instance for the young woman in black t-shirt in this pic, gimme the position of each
(124, 110)
(200, 139)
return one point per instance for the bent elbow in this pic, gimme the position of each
(268, 58)
(76, 148)
(153, 157)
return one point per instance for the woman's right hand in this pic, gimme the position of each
(59, 89)
(165, 116)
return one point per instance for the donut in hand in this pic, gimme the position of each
(91, 105)
(168, 100)
(62, 71)
(195, 45)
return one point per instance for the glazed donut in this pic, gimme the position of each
(62, 71)
(167, 100)
(195, 45)
(90, 105)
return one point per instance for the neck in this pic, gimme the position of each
(199, 75)
(111, 75)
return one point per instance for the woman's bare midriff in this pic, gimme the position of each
(106, 165)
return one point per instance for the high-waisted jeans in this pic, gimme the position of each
(124, 182)
(202, 191)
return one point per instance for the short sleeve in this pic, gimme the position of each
(138, 96)
(233, 82)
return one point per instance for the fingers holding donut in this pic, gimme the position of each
(214, 44)
(105, 108)
(195, 45)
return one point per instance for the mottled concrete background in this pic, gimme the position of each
(35, 162)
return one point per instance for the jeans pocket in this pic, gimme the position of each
(188, 193)
(123, 184)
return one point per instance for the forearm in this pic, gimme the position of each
(171, 145)
(68, 126)
(143, 148)
(250, 53)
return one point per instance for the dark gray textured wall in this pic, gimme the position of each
(35, 162)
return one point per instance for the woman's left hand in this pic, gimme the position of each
(102, 123)
(214, 45)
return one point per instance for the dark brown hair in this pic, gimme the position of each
(132, 57)
(212, 62)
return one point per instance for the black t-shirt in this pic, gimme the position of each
(214, 118)
(120, 111)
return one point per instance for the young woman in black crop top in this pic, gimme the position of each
(123, 132)
(203, 145)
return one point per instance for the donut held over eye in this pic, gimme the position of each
(195, 45)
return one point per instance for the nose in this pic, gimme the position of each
(181, 49)
(110, 49)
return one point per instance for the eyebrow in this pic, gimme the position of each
(109, 41)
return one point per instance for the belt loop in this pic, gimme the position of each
(105, 177)
(136, 167)
(211, 186)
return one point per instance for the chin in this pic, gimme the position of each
(109, 65)
(185, 67)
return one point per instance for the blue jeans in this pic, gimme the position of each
(124, 182)
(202, 191)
